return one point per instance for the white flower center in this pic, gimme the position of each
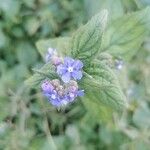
(71, 95)
(70, 69)
(53, 96)
(64, 102)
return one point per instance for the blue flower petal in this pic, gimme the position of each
(80, 93)
(78, 65)
(66, 77)
(64, 102)
(61, 69)
(77, 75)
(68, 61)
(55, 103)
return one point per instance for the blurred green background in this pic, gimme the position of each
(27, 121)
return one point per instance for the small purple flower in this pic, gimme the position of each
(55, 99)
(73, 92)
(47, 86)
(70, 69)
(59, 95)
(50, 53)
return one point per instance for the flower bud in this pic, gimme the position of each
(55, 82)
(47, 86)
(73, 83)
(50, 53)
(56, 60)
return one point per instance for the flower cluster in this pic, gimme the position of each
(64, 91)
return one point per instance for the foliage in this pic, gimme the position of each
(101, 119)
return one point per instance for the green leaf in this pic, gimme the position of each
(106, 58)
(141, 115)
(4, 108)
(61, 44)
(86, 42)
(115, 9)
(96, 108)
(37, 143)
(3, 39)
(102, 83)
(24, 51)
(142, 3)
(129, 5)
(47, 71)
(10, 8)
(31, 25)
(125, 35)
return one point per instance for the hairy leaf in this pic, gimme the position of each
(86, 42)
(96, 108)
(142, 3)
(101, 81)
(115, 9)
(125, 35)
(47, 71)
(61, 44)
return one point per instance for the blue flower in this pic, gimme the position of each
(70, 69)
(55, 99)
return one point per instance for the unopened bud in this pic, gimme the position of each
(73, 83)
(55, 82)
(50, 53)
(73, 88)
(56, 60)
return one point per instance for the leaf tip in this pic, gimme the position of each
(104, 17)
